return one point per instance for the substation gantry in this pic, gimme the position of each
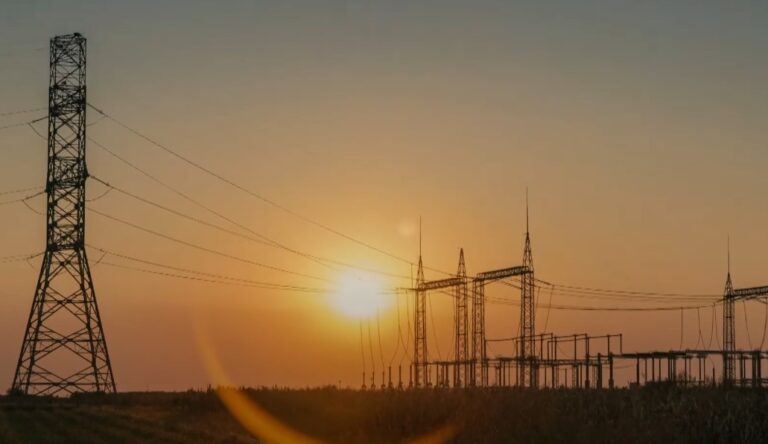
(470, 365)
(730, 353)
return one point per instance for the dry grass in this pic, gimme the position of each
(481, 416)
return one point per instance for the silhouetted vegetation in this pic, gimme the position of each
(654, 414)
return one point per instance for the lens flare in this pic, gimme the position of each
(259, 422)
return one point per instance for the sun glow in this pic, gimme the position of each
(359, 295)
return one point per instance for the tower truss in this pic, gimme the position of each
(479, 369)
(527, 353)
(420, 365)
(729, 332)
(479, 363)
(64, 350)
(461, 312)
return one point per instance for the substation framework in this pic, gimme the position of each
(540, 359)
(470, 366)
(730, 354)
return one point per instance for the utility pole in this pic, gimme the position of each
(64, 350)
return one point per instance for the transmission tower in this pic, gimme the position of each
(462, 326)
(479, 365)
(528, 372)
(64, 350)
(729, 331)
(420, 369)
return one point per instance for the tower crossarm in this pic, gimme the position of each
(440, 284)
(750, 293)
(502, 273)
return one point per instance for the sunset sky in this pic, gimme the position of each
(639, 128)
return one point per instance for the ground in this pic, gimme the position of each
(651, 414)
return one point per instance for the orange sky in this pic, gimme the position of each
(639, 131)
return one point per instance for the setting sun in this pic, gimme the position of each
(358, 295)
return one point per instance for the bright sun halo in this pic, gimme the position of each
(358, 295)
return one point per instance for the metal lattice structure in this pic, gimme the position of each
(479, 360)
(730, 297)
(479, 367)
(461, 353)
(420, 368)
(64, 350)
(528, 371)
(729, 331)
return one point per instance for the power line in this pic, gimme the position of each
(29, 207)
(746, 322)
(614, 297)
(100, 196)
(574, 291)
(681, 329)
(403, 342)
(267, 241)
(21, 50)
(549, 305)
(260, 239)
(408, 320)
(213, 281)
(515, 302)
(434, 326)
(765, 326)
(217, 277)
(370, 350)
(713, 332)
(620, 295)
(362, 350)
(29, 122)
(178, 213)
(19, 257)
(202, 248)
(23, 111)
(248, 191)
(629, 292)
(700, 341)
(22, 199)
(378, 333)
(597, 308)
(20, 190)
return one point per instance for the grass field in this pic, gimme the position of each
(652, 414)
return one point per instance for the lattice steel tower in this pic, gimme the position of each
(479, 367)
(420, 356)
(528, 370)
(461, 369)
(64, 350)
(729, 332)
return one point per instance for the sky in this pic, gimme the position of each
(638, 128)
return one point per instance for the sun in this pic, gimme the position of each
(358, 295)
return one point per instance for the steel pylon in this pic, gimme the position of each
(461, 368)
(528, 365)
(64, 350)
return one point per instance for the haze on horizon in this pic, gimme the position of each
(638, 127)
